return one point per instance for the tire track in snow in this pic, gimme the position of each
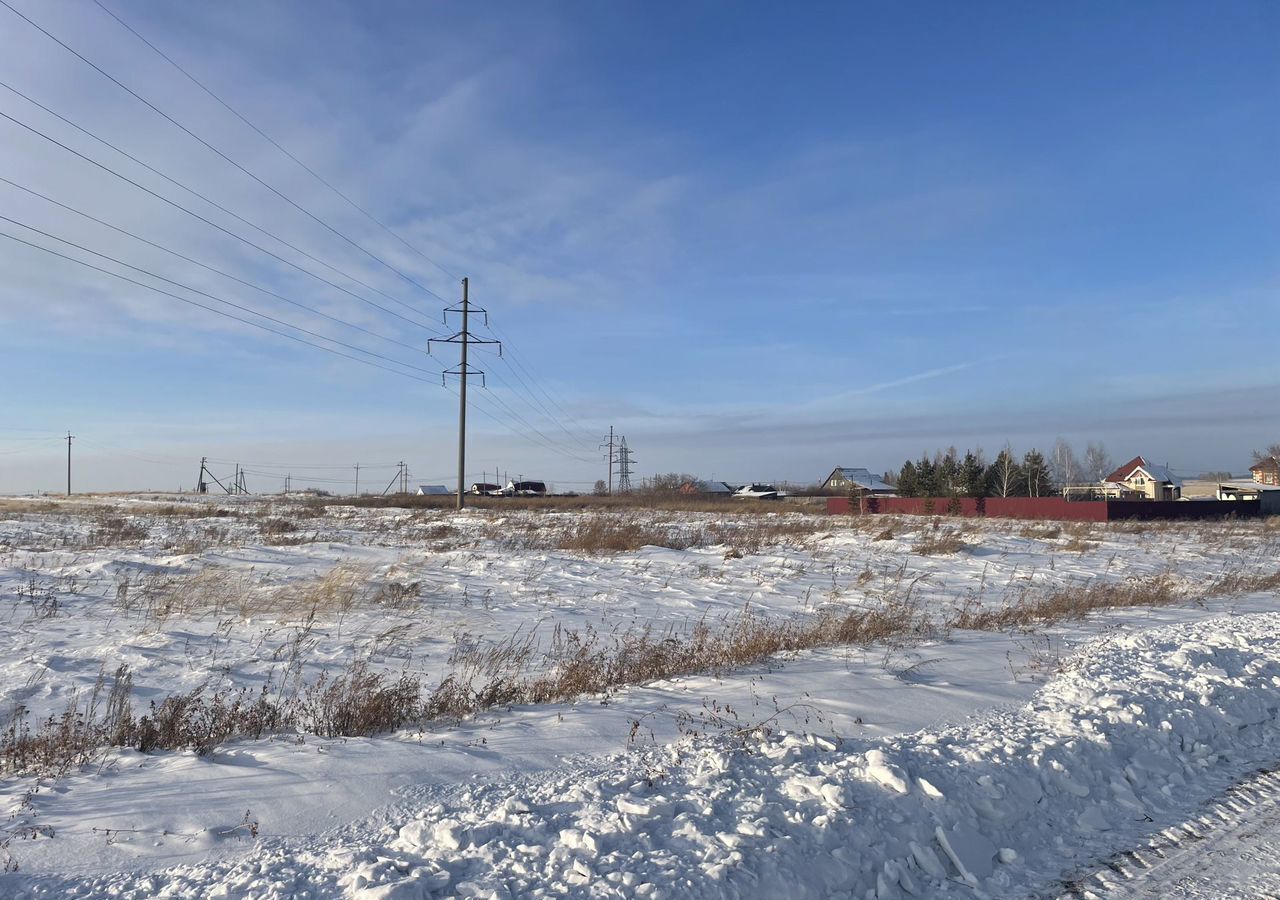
(1230, 849)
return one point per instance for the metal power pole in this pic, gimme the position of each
(465, 338)
(357, 480)
(625, 459)
(70, 436)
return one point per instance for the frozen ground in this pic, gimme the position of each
(185, 598)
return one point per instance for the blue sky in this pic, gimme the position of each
(760, 240)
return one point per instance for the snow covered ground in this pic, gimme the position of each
(1027, 743)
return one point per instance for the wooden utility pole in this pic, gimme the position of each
(70, 436)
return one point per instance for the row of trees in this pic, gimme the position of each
(1034, 474)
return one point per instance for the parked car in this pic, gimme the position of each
(485, 489)
(525, 489)
(758, 491)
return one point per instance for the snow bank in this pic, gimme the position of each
(1140, 725)
(1137, 731)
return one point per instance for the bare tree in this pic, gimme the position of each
(1066, 468)
(1272, 452)
(1097, 462)
(1005, 474)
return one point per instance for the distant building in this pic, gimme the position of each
(845, 479)
(1227, 489)
(706, 488)
(1140, 478)
(525, 489)
(434, 490)
(1267, 471)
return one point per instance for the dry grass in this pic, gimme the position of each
(940, 542)
(1077, 602)
(1077, 544)
(20, 506)
(360, 701)
(158, 595)
(604, 533)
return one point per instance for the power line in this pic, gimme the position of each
(507, 425)
(516, 361)
(213, 310)
(104, 73)
(549, 442)
(213, 297)
(247, 172)
(529, 391)
(113, 450)
(314, 174)
(206, 266)
(287, 465)
(221, 208)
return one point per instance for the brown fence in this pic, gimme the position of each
(1047, 508)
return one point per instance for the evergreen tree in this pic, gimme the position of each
(1037, 479)
(908, 480)
(927, 473)
(947, 467)
(973, 475)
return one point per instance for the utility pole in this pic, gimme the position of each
(357, 480)
(625, 459)
(70, 437)
(464, 338)
(608, 442)
(201, 484)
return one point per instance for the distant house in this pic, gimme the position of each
(434, 490)
(1139, 478)
(845, 479)
(525, 489)
(706, 488)
(1267, 471)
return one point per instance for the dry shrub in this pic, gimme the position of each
(621, 533)
(357, 702)
(1077, 544)
(610, 534)
(336, 592)
(1099, 594)
(158, 595)
(113, 531)
(940, 543)
(1244, 583)
(1072, 603)
(17, 506)
(1039, 531)
(189, 511)
(276, 525)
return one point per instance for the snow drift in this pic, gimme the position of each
(1135, 732)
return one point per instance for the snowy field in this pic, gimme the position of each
(613, 703)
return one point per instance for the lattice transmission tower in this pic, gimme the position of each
(625, 466)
